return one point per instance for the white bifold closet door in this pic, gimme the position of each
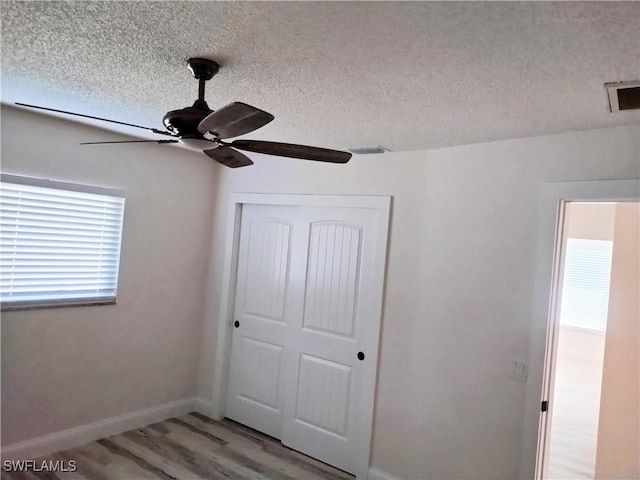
(304, 347)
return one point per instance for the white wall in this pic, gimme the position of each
(459, 287)
(594, 221)
(618, 454)
(71, 366)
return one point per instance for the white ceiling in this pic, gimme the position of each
(407, 75)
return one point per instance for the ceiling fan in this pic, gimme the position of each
(200, 128)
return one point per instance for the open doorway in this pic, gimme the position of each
(592, 403)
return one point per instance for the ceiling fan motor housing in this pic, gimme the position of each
(184, 122)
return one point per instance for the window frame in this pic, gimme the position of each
(69, 187)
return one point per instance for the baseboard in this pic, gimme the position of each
(377, 474)
(73, 437)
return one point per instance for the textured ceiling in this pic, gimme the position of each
(407, 75)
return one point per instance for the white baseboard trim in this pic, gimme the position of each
(76, 436)
(377, 474)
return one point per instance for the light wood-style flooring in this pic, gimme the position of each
(188, 447)
(576, 405)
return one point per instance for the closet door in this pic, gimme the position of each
(332, 350)
(304, 350)
(256, 376)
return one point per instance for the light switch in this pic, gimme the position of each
(518, 369)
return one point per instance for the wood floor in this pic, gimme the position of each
(188, 447)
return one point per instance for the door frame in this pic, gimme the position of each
(552, 202)
(224, 331)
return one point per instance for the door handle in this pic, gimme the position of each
(236, 324)
(360, 355)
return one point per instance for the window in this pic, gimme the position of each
(59, 243)
(585, 289)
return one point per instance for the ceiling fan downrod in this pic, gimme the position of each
(203, 70)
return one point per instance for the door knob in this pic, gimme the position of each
(236, 324)
(360, 355)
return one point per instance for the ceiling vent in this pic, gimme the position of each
(367, 150)
(623, 96)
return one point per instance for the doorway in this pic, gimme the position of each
(300, 354)
(590, 409)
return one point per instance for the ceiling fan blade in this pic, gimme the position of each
(291, 150)
(154, 130)
(130, 141)
(229, 157)
(234, 120)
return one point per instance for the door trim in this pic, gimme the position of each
(542, 338)
(224, 330)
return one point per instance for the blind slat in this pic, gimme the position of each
(56, 256)
(50, 287)
(43, 277)
(63, 196)
(54, 263)
(57, 249)
(18, 216)
(51, 203)
(19, 244)
(54, 232)
(9, 224)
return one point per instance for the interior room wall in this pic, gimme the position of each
(459, 284)
(618, 454)
(593, 221)
(67, 367)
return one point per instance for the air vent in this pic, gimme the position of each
(623, 96)
(367, 150)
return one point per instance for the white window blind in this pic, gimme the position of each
(58, 247)
(585, 287)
